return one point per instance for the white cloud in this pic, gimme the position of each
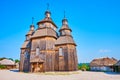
(104, 50)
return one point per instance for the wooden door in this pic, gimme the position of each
(41, 67)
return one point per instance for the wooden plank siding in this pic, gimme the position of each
(46, 50)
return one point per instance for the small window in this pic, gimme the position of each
(61, 52)
(37, 51)
(63, 33)
(26, 54)
(42, 25)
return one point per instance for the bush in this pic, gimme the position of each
(2, 67)
(10, 59)
(17, 61)
(84, 67)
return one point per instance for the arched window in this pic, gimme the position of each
(37, 51)
(61, 52)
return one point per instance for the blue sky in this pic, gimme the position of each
(95, 25)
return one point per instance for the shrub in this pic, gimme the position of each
(2, 67)
(16, 60)
(84, 67)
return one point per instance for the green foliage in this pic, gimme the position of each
(2, 67)
(84, 66)
(10, 59)
(16, 60)
(2, 58)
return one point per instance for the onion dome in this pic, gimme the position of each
(47, 19)
(46, 27)
(31, 30)
(65, 34)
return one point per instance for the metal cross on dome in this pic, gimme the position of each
(32, 20)
(47, 6)
(64, 13)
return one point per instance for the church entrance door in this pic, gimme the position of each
(41, 68)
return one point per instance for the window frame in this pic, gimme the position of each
(37, 51)
(61, 53)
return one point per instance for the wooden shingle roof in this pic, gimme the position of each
(65, 40)
(44, 32)
(65, 27)
(103, 62)
(49, 20)
(30, 32)
(7, 62)
(25, 44)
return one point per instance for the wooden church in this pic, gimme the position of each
(47, 50)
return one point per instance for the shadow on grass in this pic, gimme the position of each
(113, 73)
(109, 73)
(14, 70)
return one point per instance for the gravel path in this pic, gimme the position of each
(10, 75)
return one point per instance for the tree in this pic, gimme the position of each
(10, 59)
(16, 60)
(3, 58)
(84, 66)
(2, 67)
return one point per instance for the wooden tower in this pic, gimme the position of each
(43, 45)
(25, 51)
(65, 52)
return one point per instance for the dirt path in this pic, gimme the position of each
(10, 75)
